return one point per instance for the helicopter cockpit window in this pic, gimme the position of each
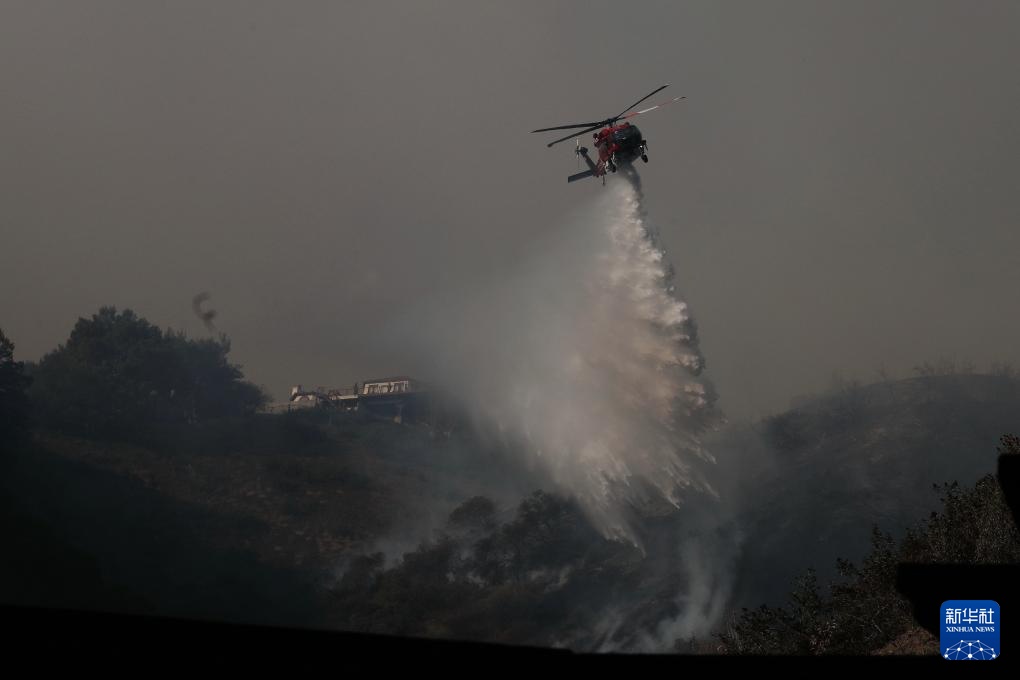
(626, 135)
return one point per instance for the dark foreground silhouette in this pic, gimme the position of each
(927, 586)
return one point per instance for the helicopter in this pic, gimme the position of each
(616, 144)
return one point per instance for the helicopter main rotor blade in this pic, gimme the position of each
(568, 127)
(650, 108)
(641, 100)
(576, 134)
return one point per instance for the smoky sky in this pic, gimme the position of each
(838, 192)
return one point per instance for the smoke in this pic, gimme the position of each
(587, 360)
(705, 566)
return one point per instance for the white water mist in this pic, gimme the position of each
(588, 360)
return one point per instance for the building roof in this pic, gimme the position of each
(398, 378)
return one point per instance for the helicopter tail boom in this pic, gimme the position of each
(592, 170)
(581, 175)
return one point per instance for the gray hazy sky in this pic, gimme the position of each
(840, 190)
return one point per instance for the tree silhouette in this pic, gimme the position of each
(118, 374)
(14, 410)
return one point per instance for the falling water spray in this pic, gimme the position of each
(588, 362)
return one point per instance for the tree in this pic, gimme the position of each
(475, 514)
(802, 627)
(14, 408)
(864, 611)
(118, 375)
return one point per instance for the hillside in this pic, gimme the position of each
(820, 475)
(271, 502)
(257, 518)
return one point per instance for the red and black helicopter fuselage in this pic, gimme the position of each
(617, 144)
